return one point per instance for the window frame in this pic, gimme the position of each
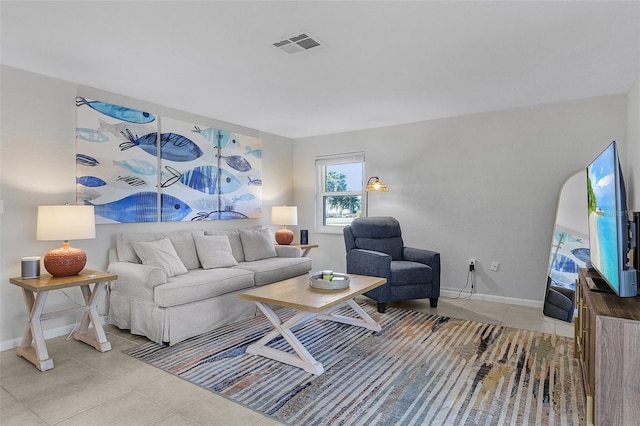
(321, 164)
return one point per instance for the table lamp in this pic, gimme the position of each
(284, 215)
(68, 222)
(374, 184)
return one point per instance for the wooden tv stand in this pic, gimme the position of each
(607, 341)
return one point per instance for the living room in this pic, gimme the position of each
(480, 184)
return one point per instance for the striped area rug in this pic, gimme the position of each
(420, 369)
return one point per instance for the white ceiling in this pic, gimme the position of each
(383, 63)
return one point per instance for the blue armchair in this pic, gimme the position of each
(375, 247)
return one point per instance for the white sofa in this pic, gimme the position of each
(169, 300)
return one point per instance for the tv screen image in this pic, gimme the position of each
(608, 222)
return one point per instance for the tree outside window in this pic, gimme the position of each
(340, 191)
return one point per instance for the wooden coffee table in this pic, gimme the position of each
(312, 303)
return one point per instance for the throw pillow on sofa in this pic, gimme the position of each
(257, 244)
(214, 252)
(161, 254)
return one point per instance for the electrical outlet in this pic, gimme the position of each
(495, 265)
(472, 265)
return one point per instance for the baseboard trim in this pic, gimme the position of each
(489, 298)
(48, 334)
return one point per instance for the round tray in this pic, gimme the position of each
(316, 281)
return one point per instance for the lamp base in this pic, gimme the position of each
(65, 261)
(284, 236)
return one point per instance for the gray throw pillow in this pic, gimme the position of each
(161, 254)
(214, 252)
(257, 244)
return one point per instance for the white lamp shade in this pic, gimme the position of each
(67, 222)
(284, 215)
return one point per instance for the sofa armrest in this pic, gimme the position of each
(288, 251)
(135, 279)
(368, 262)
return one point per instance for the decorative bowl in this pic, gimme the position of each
(339, 281)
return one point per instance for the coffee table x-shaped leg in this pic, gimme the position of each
(302, 358)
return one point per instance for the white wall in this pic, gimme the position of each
(38, 167)
(484, 186)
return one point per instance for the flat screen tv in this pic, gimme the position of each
(609, 228)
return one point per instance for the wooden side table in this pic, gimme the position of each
(35, 292)
(306, 248)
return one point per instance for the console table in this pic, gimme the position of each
(607, 341)
(35, 291)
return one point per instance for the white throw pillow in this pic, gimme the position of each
(214, 252)
(161, 254)
(257, 244)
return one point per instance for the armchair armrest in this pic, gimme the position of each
(135, 279)
(368, 262)
(288, 251)
(427, 257)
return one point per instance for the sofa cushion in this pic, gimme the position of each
(200, 284)
(234, 240)
(267, 271)
(161, 254)
(257, 244)
(214, 251)
(182, 242)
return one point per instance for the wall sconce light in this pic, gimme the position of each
(284, 215)
(68, 222)
(374, 184)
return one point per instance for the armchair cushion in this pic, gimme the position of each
(407, 273)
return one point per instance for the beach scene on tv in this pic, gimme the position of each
(601, 193)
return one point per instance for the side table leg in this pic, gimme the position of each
(34, 347)
(94, 336)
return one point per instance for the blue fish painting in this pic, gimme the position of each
(174, 147)
(255, 181)
(220, 138)
(116, 111)
(244, 197)
(90, 135)
(90, 181)
(119, 129)
(204, 179)
(222, 215)
(143, 207)
(83, 193)
(139, 167)
(132, 181)
(205, 203)
(86, 160)
(236, 162)
(257, 152)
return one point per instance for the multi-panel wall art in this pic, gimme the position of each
(134, 166)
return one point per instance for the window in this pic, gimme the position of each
(339, 189)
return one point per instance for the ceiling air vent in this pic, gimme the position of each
(297, 44)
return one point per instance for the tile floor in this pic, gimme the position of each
(87, 387)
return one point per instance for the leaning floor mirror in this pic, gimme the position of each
(569, 249)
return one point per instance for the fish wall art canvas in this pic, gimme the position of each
(220, 183)
(134, 166)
